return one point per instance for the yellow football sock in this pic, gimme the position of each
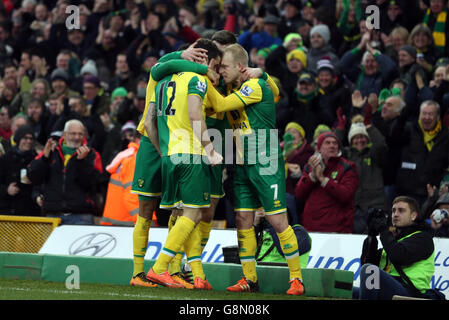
(289, 245)
(140, 243)
(175, 264)
(204, 228)
(171, 221)
(193, 252)
(247, 253)
(175, 239)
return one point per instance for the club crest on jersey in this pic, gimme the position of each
(140, 182)
(246, 91)
(201, 86)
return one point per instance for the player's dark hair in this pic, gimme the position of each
(224, 37)
(212, 50)
(184, 46)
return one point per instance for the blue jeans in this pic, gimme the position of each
(74, 218)
(383, 288)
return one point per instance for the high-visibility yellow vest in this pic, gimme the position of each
(419, 272)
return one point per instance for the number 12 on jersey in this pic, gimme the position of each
(163, 89)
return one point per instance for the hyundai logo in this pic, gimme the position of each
(93, 244)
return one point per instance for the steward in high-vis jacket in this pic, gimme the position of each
(122, 206)
(405, 264)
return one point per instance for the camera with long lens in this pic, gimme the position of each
(374, 215)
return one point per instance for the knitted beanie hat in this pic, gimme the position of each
(323, 31)
(357, 128)
(89, 68)
(21, 132)
(297, 127)
(298, 55)
(323, 137)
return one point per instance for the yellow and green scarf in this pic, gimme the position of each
(430, 135)
(67, 152)
(439, 36)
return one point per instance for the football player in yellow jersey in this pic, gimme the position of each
(215, 120)
(257, 183)
(147, 178)
(172, 66)
(185, 185)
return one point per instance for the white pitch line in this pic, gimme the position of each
(77, 291)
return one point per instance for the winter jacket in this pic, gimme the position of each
(370, 162)
(333, 97)
(308, 114)
(404, 247)
(92, 123)
(349, 66)
(329, 208)
(314, 55)
(418, 166)
(257, 40)
(11, 164)
(70, 188)
(393, 151)
(299, 156)
(121, 205)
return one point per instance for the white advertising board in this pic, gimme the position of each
(335, 251)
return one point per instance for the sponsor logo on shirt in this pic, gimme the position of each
(201, 86)
(246, 91)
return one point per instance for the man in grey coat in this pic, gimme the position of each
(368, 150)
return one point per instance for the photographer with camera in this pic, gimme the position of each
(405, 264)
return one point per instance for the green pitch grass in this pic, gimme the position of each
(44, 290)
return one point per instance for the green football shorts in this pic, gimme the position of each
(185, 185)
(216, 181)
(147, 174)
(258, 185)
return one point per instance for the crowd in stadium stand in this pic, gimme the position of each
(378, 83)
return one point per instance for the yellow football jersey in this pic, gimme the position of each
(176, 134)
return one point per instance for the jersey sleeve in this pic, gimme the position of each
(274, 88)
(150, 97)
(197, 86)
(250, 92)
(171, 56)
(229, 103)
(164, 69)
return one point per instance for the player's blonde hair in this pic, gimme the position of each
(239, 54)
